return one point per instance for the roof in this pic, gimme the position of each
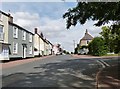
(87, 36)
(20, 27)
(41, 37)
(6, 14)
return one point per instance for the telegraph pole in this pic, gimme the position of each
(74, 45)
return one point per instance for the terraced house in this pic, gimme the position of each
(15, 41)
(4, 26)
(42, 46)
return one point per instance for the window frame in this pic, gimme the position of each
(30, 50)
(30, 38)
(2, 32)
(24, 35)
(15, 48)
(15, 32)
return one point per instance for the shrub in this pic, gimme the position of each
(97, 47)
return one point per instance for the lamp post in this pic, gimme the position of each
(74, 45)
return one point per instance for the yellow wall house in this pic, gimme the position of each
(86, 39)
(42, 46)
(39, 49)
(84, 42)
(4, 26)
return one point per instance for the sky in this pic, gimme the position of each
(47, 17)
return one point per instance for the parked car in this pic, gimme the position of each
(83, 51)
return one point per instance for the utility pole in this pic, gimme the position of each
(74, 45)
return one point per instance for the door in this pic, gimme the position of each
(24, 52)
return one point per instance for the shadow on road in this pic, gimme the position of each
(72, 74)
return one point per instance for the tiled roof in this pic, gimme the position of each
(87, 36)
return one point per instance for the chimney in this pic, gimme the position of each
(86, 31)
(35, 30)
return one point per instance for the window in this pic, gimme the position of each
(24, 35)
(30, 50)
(15, 48)
(30, 37)
(15, 32)
(1, 33)
(1, 29)
(87, 41)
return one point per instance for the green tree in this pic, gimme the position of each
(76, 51)
(102, 12)
(108, 37)
(112, 38)
(97, 47)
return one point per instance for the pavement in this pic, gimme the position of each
(108, 77)
(22, 61)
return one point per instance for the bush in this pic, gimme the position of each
(97, 47)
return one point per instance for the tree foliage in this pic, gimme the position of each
(108, 37)
(102, 12)
(112, 38)
(97, 47)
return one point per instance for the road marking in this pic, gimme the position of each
(103, 63)
(106, 64)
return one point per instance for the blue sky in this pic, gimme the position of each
(47, 17)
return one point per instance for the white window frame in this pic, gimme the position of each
(23, 35)
(30, 37)
(1, 33)
(15, 32)
(30, 50)
(15, 48)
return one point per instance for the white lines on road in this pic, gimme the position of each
(27, 78)
(104, 64)
(28, 82)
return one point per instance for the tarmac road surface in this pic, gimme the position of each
(55, 72)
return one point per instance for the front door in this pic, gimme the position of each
(24, 52)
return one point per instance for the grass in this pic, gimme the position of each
(111, 54)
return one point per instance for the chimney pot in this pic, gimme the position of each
(35, 30)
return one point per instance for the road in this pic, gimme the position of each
(56, 72)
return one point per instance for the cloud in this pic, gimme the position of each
(55, 29)
(26, 20)
(47, 17)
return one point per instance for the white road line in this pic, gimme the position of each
(104, 63)
(101, 63)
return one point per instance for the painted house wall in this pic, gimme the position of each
(46, 45)
(47, 49)
(84, 42)
(4, 22)
(4, 52)
(39, 45)
(42, 48)
(4, 46)
(20, 41)
(36, 44)
(50, 49)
